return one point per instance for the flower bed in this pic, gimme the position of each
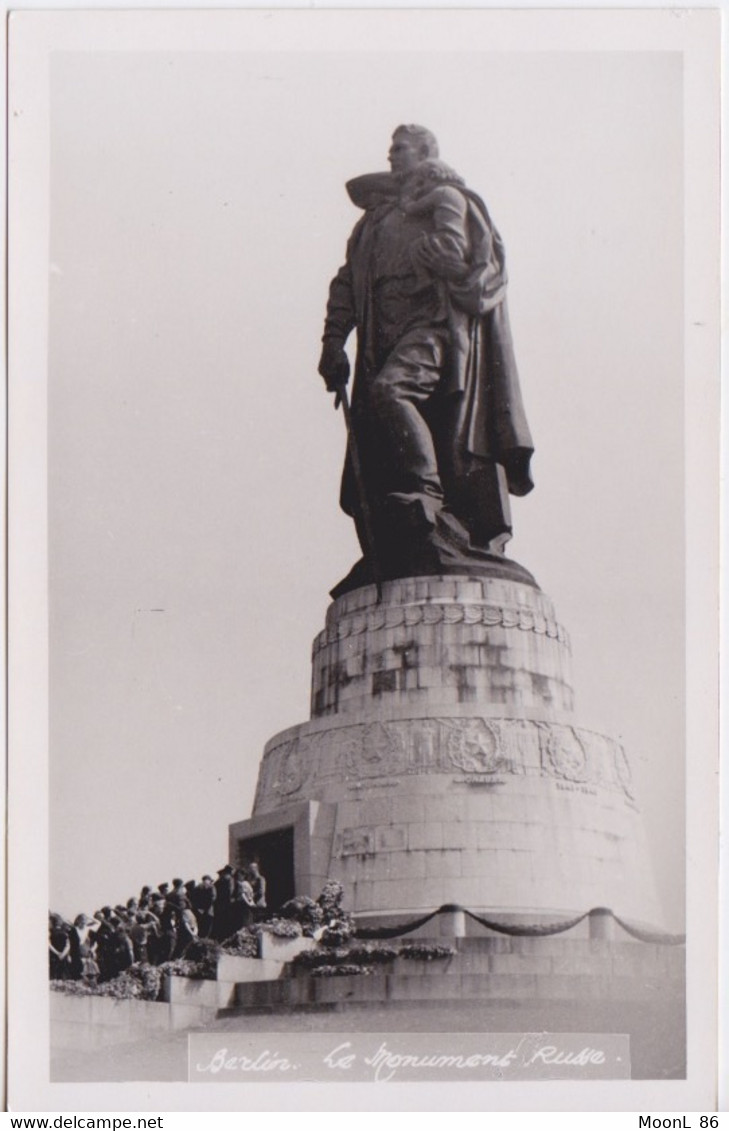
(364, 958)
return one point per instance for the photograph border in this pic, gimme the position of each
(32, 37)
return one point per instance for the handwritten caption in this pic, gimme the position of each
(234, 1057)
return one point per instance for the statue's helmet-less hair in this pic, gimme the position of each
(421, 136)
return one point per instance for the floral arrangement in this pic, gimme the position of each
(74, 989)
(202, 955)
(281, 928)
(360, 956)
(141, 982)
(366, 952)
(337, 924)
(363, 958)
(323, 956)
(243, 944)
(337, 971)
(306, 911)
(426, 952)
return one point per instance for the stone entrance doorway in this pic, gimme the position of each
(274, 852)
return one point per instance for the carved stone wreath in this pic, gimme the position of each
(473, 746)
(293, 764)
(568, 755)
(288, 775)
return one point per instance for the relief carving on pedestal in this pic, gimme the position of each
(425, 743)
(356, 842)
(567, 754)
(376, 749)
(393, 616)
(264, 787)
(473, 745)
(289, 776)
(294, 765)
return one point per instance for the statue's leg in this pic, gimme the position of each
(396, 397)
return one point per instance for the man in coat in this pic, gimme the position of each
(436, 405)
(202, 898)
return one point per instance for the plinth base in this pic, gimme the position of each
(442, 766)
(484, 566)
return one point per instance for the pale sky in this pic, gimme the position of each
(198, 212)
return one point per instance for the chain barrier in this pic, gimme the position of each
(395, 932)
(525, 930)
(661, 938)
(528, 930)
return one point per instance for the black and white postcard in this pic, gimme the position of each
(363, 631)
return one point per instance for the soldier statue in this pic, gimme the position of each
(438, 434)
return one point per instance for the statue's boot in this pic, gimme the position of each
(418, 536)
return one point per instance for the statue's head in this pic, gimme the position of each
(411, 145)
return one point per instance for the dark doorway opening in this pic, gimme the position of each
(274, 853)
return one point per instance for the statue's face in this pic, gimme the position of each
(405, 154)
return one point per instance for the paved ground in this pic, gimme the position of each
(656, 1042)
(164, 1057)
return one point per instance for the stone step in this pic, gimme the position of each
(525, 964)
(488, 987)
(530, 944)
(587, 958)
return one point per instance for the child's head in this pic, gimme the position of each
(433, 171)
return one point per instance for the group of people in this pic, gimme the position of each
(157, 926)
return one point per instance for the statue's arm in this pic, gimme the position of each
(340, 316)
(444, 251)
(339, 322)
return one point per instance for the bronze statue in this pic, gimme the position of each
(441, 435)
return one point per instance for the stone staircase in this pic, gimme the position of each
(506, 970)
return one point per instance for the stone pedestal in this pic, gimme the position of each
(442, 764)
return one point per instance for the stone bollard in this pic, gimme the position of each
(452, 923)
(602, 924)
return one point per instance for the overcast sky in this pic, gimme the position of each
(198, 212)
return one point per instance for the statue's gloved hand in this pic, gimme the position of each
(334, 364)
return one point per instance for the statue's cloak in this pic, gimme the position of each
(480, 420)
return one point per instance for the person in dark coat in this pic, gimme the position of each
(224, 892)
(157, 942)
(169, 922)
(178, 893)
(106, 944)
(59, 947)
(121, 945)
(203, 903)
